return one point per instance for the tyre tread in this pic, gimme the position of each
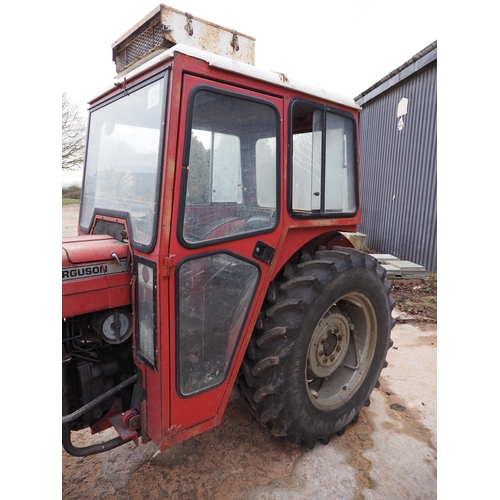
(288, 299)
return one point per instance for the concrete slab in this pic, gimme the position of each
(392, 271)
(412, 372)
(406, 265)
(400, 268)
(403, 467)
(384, 257)
(410, 270)
(403, 415)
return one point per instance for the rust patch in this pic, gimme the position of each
(210, 38)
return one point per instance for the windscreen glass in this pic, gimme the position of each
(123, 160)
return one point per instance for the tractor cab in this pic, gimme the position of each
(215, 250)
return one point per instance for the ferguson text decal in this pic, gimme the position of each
(90, 270)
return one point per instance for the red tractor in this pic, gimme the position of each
(215, 251)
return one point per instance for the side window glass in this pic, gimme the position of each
(307, 160)
(323, 162)
(231, 187)
(340, 178)
(265, 163)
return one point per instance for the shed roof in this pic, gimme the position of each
(416, 63)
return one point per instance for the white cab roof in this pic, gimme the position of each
(231, 65)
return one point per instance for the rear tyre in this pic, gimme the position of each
(319, 345)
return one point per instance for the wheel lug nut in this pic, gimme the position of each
(339, 337)
(321, 353)
(332, 358)
(338, 348)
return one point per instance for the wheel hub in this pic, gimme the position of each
(329, 344)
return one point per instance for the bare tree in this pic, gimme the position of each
(74, 132)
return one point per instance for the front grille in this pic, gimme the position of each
(139, 46)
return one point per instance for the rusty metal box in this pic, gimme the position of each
(165, 27)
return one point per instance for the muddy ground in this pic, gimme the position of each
(390, 453)
(417, 298)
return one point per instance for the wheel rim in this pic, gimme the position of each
(341, 351)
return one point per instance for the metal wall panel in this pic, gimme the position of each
(398, 170)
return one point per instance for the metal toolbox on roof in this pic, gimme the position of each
(165, 27)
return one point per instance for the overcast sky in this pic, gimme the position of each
(345, 45)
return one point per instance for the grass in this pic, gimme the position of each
(71, 195)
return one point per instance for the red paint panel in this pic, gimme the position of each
(91, 248)
(95, 300)
(191, 415)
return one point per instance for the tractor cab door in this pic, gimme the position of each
(227, 227)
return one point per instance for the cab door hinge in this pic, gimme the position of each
(169, 262)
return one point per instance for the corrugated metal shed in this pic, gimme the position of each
(398, 138)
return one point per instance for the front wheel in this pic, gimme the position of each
(319, 345)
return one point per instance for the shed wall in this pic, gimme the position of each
(398, 170)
